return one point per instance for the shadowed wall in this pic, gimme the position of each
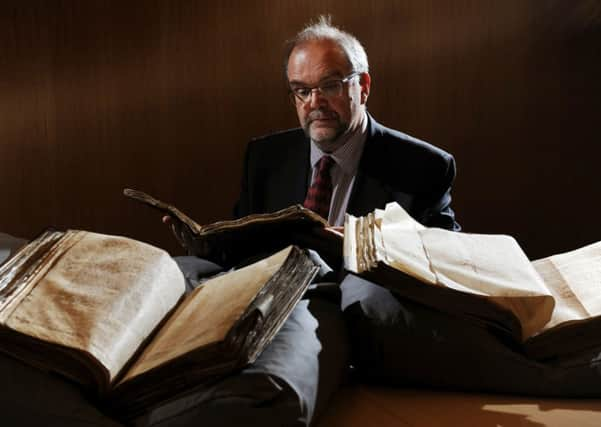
(164, 95)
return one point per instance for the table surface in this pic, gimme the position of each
(380, 406)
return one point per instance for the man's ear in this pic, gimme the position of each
(365, 82)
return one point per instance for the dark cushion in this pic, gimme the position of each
(400, 342)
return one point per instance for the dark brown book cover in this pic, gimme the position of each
(233, 241)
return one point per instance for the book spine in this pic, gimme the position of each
(20, 275)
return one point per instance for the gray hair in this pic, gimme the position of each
(322, 29)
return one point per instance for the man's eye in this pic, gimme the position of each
(302, 91)
(329, 86)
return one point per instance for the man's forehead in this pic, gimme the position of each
(317, 60)
(303, 80)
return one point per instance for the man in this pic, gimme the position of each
(341, 160)
(328, 76)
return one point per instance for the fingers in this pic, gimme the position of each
(177, 231)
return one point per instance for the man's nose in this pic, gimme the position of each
(316, 98)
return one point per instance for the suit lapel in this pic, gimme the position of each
(367, 192)
(301, 174)
(293, 174)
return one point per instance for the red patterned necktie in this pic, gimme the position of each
(320, 193)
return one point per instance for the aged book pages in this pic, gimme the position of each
(208, 314)
(551, 306)
(568, 306)
(221, 327)
(490, 266)
(110, 313)
(574, 279)
(103, 296)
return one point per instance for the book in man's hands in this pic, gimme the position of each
(111, 314)
(230, 242)
(550, 308)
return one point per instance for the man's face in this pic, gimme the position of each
(327, 120)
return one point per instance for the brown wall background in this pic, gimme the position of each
(163, 96)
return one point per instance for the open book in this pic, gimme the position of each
(110, 313)
(551, 307)
(229, 242)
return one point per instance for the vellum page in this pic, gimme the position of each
(207, 315)
(574, 278)
(402, 245)
(350, 243)
(493, 266)
(378, 237)
(103, 296)
(487, 265)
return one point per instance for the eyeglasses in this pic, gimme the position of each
(329, 89)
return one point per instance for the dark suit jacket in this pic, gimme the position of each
(393, 167)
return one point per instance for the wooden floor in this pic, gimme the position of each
(383, 407)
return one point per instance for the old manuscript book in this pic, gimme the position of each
(229, 242)
(110, 313)
(551, 307)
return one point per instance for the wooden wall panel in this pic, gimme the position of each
(164, 95)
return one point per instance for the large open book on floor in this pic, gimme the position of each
(229, 242)
(110, 313)
(551, 307)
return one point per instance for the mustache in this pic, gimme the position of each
(321, 115)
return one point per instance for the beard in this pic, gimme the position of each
(326, 129)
